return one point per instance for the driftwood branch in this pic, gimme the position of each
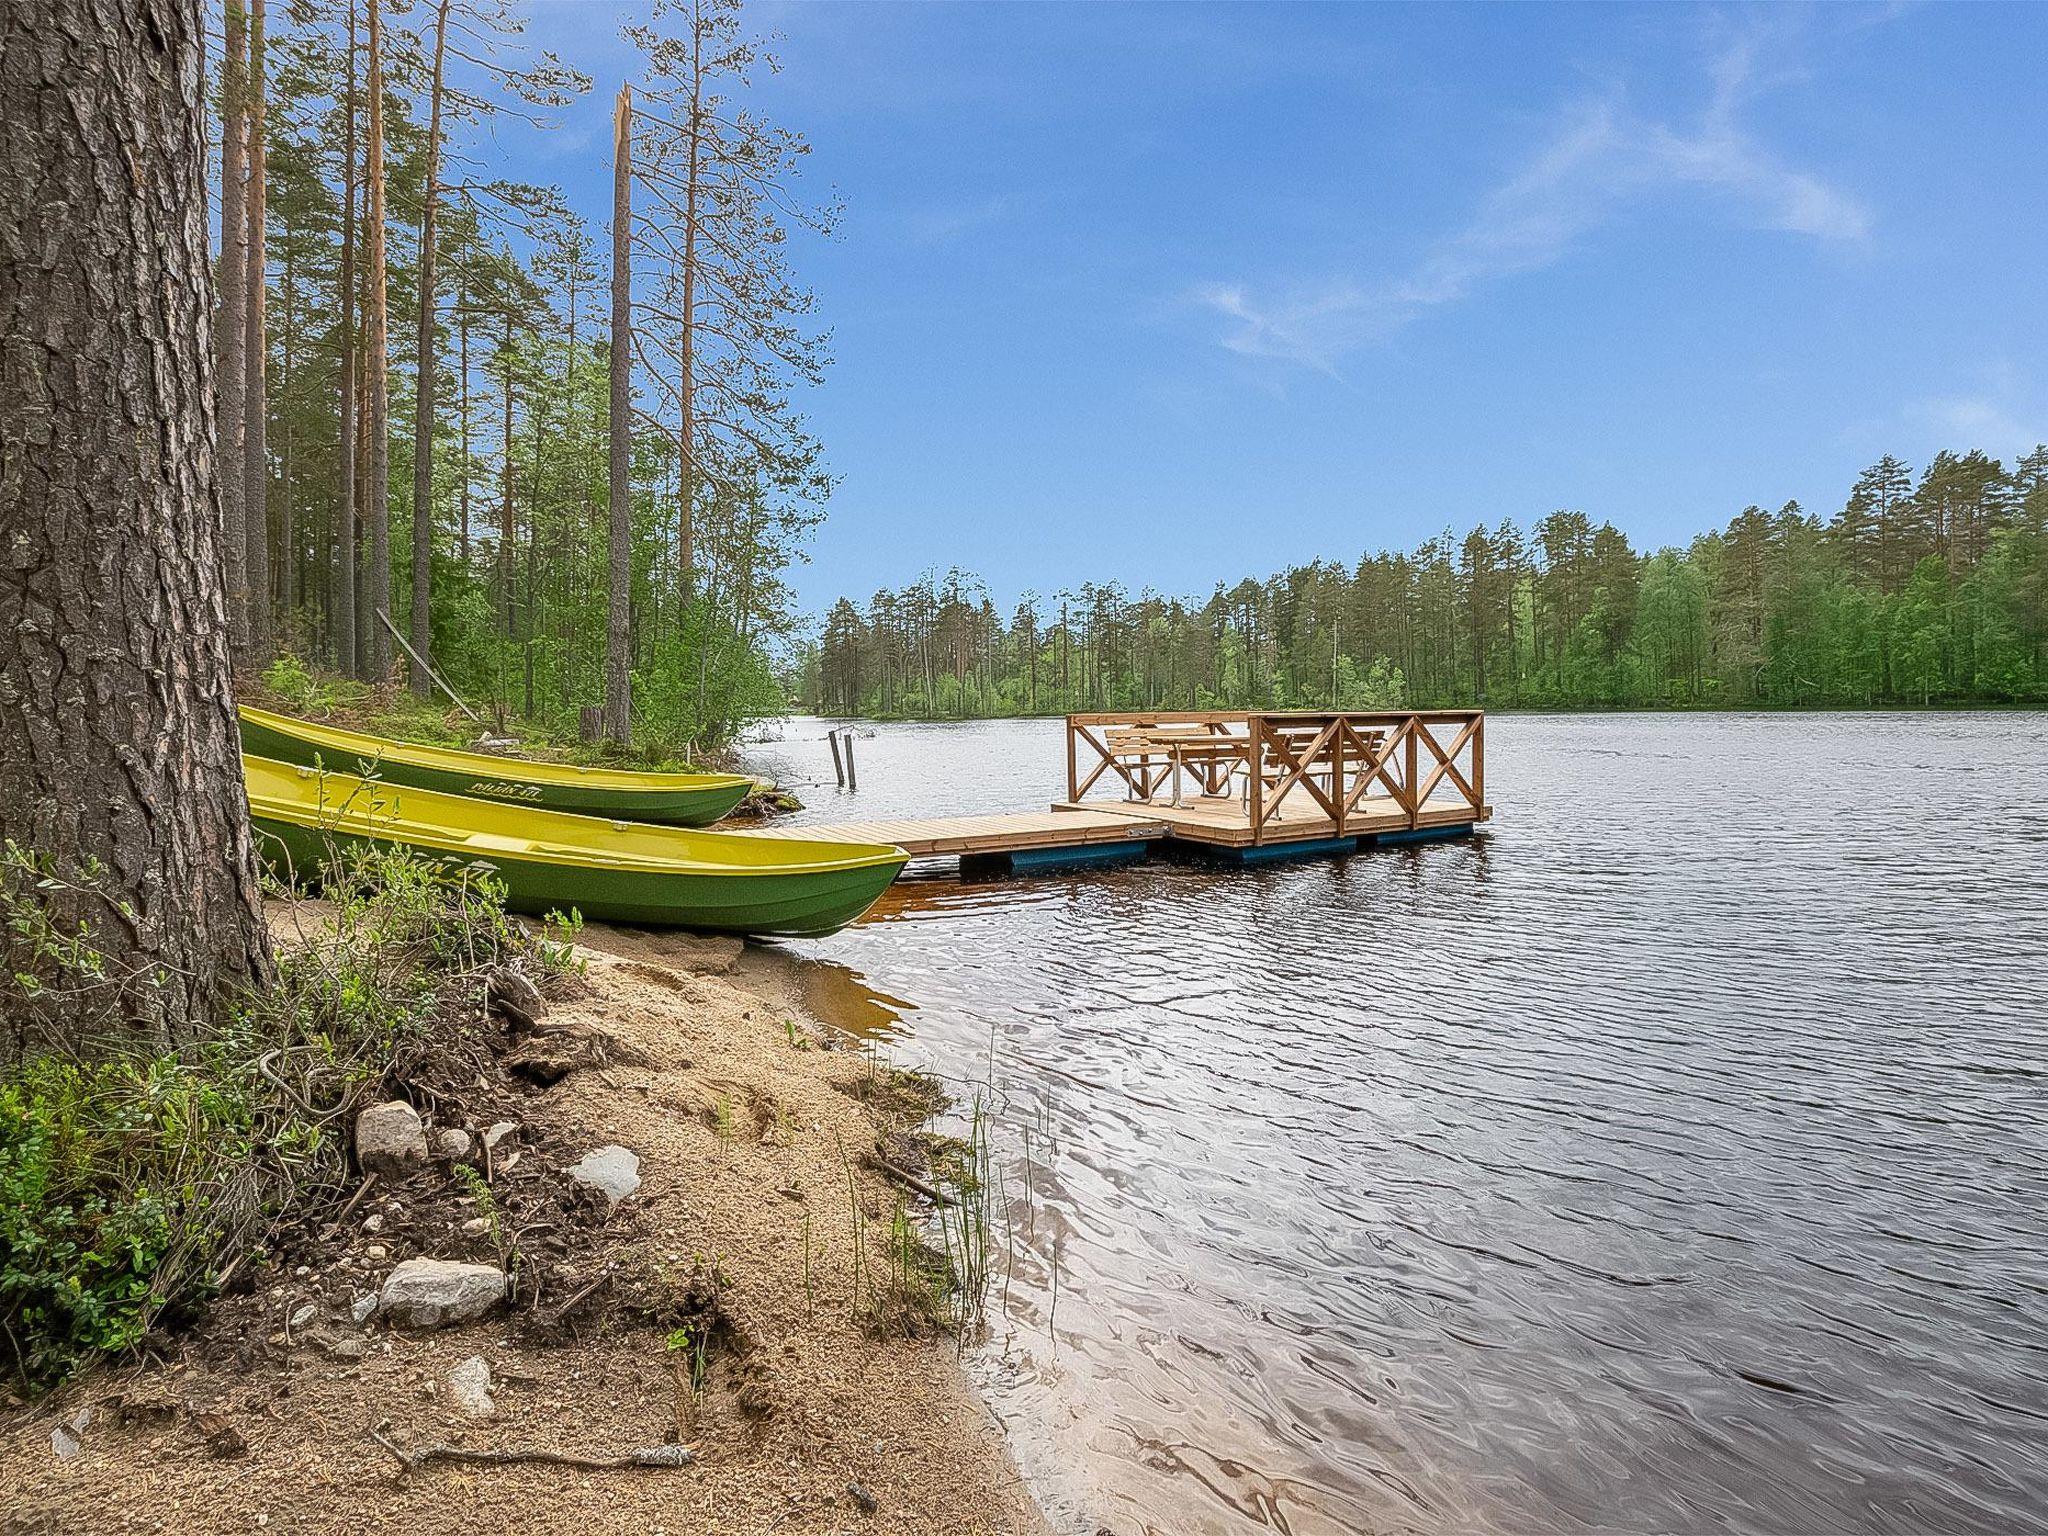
(912, 1182)
(645, 1456)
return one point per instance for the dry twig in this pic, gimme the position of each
(645, 1456)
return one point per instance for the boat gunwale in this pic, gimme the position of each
(337, 819)
(365, 747)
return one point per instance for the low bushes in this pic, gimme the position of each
(131, 1184)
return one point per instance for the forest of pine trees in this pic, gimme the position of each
(1915, 593)
(421, 425)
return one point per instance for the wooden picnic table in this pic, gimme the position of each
(1214, 757)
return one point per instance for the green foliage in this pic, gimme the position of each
(1912, 594)
(296, 688)
(84, 1222)
(128, 1180)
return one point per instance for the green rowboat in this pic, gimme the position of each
(613, 871)
(679, 799)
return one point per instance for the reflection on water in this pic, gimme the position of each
(1672, 1159)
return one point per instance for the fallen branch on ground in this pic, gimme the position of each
(645, 1456)
(911, 1181)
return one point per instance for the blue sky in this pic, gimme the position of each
(1171, 294)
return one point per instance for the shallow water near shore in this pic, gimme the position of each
(1673, 1157)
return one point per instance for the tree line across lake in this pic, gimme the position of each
(1919, 591)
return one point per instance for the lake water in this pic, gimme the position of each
(1673, 1157)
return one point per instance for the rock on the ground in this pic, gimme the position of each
(302, 1316)
(612, 1171)
(499, 1132)
(454, 1145)
(362, 1309)
(67, 1437)
(390, 1138)
(470, 1385)
(426, 1293)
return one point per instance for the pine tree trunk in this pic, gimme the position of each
(255, 404)
(231, 322)
(423, 408)
(686, 384)
(344, 595)
(117, 736)
(463, 544)
(508, 526)
(618, 676)
(376, 367)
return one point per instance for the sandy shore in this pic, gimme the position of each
(807, 1419)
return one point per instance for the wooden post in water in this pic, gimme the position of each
(1409, 776)
(838, 768)
(852, 778)
(1255, 747)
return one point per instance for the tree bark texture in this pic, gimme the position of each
(256, 357)
(344, 596)
(118, 741)
(618, 675)
(231, 319)
(423, 407)
(376, 367)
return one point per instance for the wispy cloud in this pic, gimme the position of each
(2006, 415)
(942, 224)
(1598, 158)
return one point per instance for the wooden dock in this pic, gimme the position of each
(1009, 832)
(1240, 785)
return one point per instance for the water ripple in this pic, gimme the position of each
(1673, 1158)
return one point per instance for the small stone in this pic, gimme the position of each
(302, 1271)
(613, 1171)
(470, 1385)
(376, 1251)
(346, 1346)
(362, 1310)
(63, 1443)
(867, 1501)
(390, 1138)
(426, 1293)
(499, 1132)
(453, 1145)
(373, 1223)
(477, 1226)
(302, 1315)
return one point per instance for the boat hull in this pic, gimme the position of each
(570, 869)
(667, 799)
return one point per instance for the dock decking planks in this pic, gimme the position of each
(1009, 832)
(1298, 819)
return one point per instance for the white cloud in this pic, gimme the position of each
(2007, 415)
(1598, 158)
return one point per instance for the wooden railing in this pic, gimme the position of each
(1336, 759)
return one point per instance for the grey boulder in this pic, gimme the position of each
(427, 1293)
(390, 1138)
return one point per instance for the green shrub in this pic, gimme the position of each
(128, 1181)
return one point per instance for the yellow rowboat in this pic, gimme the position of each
(682, 799)
(615, 871)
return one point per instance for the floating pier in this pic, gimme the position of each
(1246, 786)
